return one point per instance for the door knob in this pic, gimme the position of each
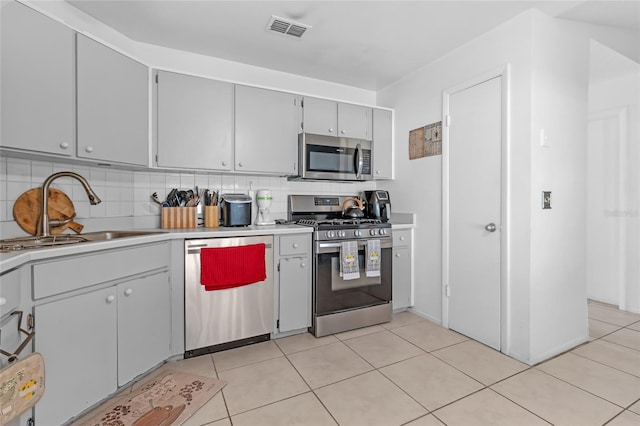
(491, 227)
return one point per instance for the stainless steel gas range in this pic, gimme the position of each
(341, 304)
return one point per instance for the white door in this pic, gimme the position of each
(474, 211)
(605, 201)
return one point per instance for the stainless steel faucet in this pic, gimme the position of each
(43, 226)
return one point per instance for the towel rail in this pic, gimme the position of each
(13, 356)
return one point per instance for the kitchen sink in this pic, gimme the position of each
(30, 243)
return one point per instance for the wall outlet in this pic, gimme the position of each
(546, 199)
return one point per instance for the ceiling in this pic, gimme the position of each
(365, 44)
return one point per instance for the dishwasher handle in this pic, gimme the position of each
(195, 249)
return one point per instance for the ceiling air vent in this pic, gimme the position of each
(287, 26)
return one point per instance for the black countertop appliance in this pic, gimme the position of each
(378, 205)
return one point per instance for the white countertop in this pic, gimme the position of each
(12, 260)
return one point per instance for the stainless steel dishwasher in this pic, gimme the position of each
(224, 319)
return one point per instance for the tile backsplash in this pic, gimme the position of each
(127, 193)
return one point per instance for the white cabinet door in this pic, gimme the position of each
(144, 325)
(354, 121)
(266, 137)
(78, 340)
(295, 293)
(194, 122)
(320, 117)
(37, 82)
(382, 144)
(112, 106)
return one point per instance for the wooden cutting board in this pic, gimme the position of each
(27, 208)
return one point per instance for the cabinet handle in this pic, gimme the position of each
(302, 265)
(401, 238)
(295, 245)
(64, 145)
(330, 130)
(224, 163)
(110, 298)
(343, 131)
(89, 149)
(3, 301)
(128, 292)
(241, 164)
(397, 254)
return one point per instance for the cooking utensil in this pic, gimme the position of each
(352, 207)
(27, 208)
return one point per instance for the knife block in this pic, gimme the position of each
(179, 217)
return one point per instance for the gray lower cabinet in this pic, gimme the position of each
(401, 269)
(113, 105)
(194, 122)
(98, 337)
(266, 131)
(78, 339)
(37, 82)
(382, 144)
(294, 283)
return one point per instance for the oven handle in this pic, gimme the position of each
(322, 247)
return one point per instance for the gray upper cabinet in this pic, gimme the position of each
(382, 144)
(194, 122)
(266, 132)
(37, 83)
(113, 105)
(330, 118)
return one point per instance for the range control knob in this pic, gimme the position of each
(331, 234)
(383, 232)
(373, 232)
(357, 233)
(342, 234)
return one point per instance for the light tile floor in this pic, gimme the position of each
(414, 372)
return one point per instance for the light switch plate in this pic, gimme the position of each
(546, 200)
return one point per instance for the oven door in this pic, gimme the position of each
(334, 294)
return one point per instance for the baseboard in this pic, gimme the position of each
(559, 350)
(425, 315)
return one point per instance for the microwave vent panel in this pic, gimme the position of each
(287, 27)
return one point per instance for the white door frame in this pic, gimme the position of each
(502, 72)
(621, 115)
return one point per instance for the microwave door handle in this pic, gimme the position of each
(359, 162)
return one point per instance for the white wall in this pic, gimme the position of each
(195, 64)
(548, 61)
(417, 100)
(560, 70)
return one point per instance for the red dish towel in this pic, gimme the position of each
(229, 267)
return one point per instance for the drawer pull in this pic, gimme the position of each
(295, 245)
(128, 292)
(401, 238)
(303, 265)
(3, 301)
(110, 298)
(397, 254)
(12, 356)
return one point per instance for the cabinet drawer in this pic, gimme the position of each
(295, 244)
(401, 237)
(72, 273)
(9, 291)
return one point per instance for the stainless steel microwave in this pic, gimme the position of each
(332, 158)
